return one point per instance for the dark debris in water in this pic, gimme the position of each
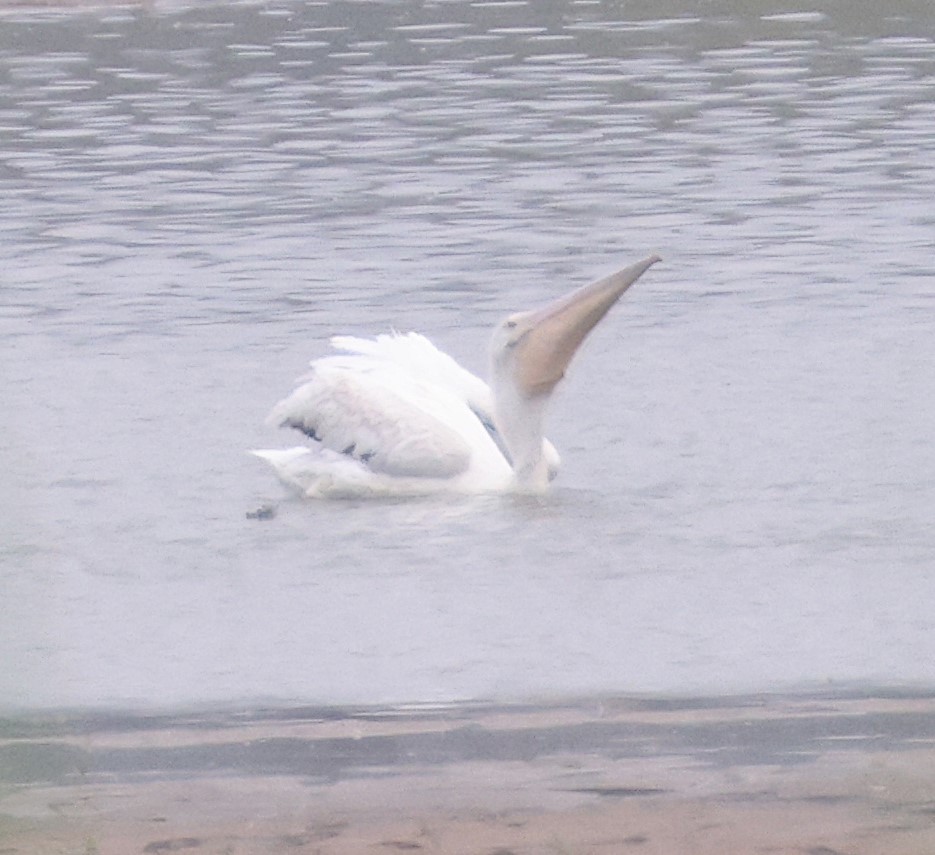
(264, 512)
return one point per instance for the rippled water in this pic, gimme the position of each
(196, 197)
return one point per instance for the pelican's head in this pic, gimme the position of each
(536, 347)
(530, 352)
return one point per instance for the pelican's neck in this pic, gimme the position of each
(519, 420)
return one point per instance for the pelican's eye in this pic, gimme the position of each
(511, 325)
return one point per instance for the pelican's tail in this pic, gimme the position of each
(319, 473)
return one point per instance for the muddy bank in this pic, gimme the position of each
(816, 774)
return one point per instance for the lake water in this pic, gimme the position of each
(196, 196)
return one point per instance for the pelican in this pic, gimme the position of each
(394, 415)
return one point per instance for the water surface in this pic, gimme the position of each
(196, 197)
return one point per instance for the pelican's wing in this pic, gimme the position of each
(376, 413)
(417, 357)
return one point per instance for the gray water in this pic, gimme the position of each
(196, 196)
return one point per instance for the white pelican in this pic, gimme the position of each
(394, 415)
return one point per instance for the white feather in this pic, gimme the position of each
(319, 473)
(421, 360)
(387, 410)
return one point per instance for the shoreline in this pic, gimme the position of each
(815, 774)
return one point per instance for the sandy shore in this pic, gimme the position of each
(803, 775)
